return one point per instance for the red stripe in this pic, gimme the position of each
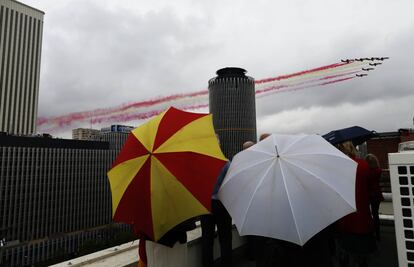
(108, 114)
(198, 173)
(135, 205)
(105, 111)
(172, 121)
(277, 87)
(132, 149)
(339, 80)
(300, 73)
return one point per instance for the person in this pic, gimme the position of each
(169, 251)
(263, 136)
(376, 195)
(142, 251)
(254, 244)
(355, 231)
(222, 219)
(317, 252)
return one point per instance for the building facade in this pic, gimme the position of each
(387, 142)
(115, 135)
(233, 105)
(116, 140)
(383, 144)
(21, 28)
(85, 133)
(54, 195)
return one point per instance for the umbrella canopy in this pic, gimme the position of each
(166, 172)
(356, 134)
(289, 187)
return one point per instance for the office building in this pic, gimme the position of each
(54, 195)
(21, 29)
(117, 128)
(85, 133)
(233, 105)
(115, 135)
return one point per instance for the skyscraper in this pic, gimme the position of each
(233, 105)
(21, 29)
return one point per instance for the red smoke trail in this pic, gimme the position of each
(127, 112)
(105, 111)
(336, 81)
(141, 115)
(78, 116)
(278, 87)
(332, 66)
(146, 115)
(149, 114)
(319, 84)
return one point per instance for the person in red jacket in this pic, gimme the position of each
(355, 231)
(376, 194)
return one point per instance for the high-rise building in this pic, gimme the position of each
(54, 195)
(233, 105)
(21, 29)
(84, 133)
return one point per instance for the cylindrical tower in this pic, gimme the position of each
(232, 103)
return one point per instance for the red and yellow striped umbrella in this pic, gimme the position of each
(166, 172)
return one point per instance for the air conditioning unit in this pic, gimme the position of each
(402, 187)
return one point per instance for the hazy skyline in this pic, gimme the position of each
(103, 53)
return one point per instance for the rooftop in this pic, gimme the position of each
(126, 255)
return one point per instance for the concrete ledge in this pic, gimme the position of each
(121, 255)
(387, 196)
(126, 255)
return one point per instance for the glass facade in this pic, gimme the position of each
(52, 197)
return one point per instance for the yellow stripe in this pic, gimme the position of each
(121, 176)
(171, 202)
(147, 132)
(198, 136)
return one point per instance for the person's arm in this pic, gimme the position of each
(142, 252)
(221, 176)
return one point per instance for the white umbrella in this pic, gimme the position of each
(289, 187)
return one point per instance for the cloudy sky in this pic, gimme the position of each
(102, 53)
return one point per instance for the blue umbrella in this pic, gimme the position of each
(356, 134)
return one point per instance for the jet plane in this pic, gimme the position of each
(361, 75)
(381, 58)
(347, 60)
(367, 69)
(375, 64)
